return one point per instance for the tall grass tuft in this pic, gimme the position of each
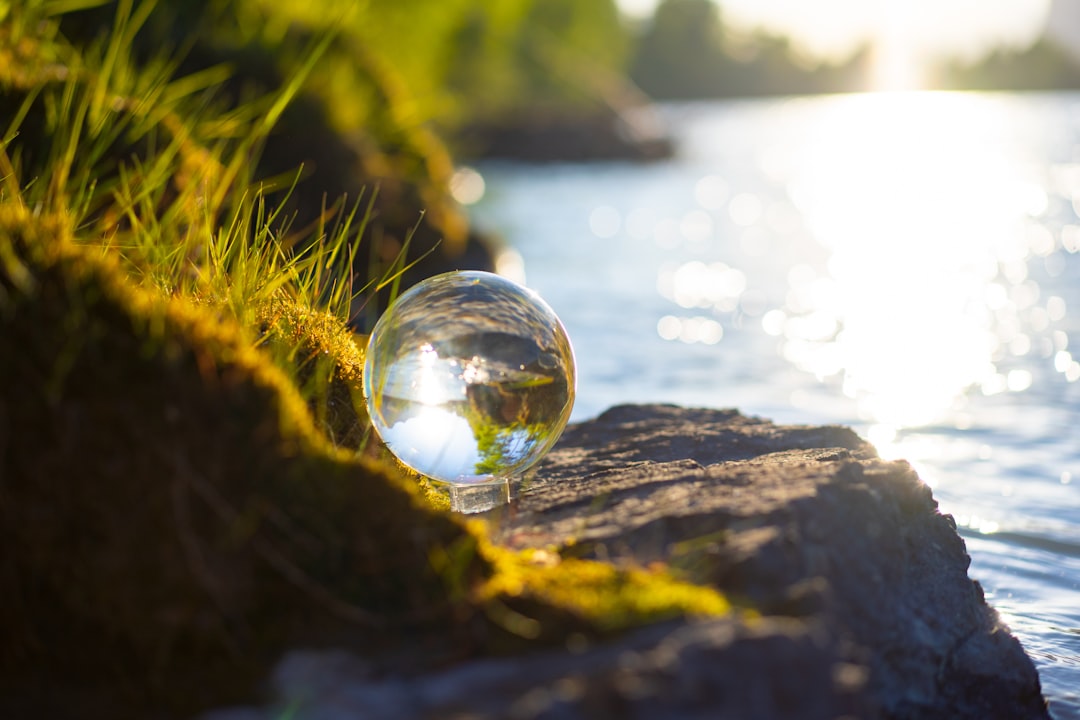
(157, 169)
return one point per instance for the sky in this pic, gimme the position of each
(925, 28)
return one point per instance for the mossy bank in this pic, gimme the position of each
(167, 498)
(175, 519)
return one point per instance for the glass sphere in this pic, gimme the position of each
(469, 378)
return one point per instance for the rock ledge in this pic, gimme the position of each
(862, 606)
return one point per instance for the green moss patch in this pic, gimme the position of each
(590, 596)
(328, 360)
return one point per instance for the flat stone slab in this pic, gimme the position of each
(866, 609)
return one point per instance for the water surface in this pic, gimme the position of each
(907, 264)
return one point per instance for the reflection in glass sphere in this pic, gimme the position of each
(469, 380)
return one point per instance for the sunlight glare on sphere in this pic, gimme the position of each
(469, 378)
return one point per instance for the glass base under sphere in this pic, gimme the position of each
(479, 498)
(469, 380)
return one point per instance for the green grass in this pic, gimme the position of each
(157, 171)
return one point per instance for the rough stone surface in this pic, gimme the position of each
(673, 670)
(867, 608)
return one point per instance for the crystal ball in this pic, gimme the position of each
(469, 378)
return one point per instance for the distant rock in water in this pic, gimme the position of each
(634, 133)
(866, 609)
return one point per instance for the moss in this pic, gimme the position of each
(328, 362)
(606, 597)
(172, 510)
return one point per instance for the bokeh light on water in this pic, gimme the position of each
(929, 225)
(889, 250)
(905, 251)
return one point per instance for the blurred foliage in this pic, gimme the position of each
(510, 55)
(681, 53)
(395, 80)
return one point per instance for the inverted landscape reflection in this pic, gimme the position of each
(469, 380)
(905, 263)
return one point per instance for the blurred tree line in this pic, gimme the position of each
(686, 51)
(1045, 65)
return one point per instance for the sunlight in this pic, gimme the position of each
(924, 215)
(896, 56)
(833, 29)
(429, 388)
(427, 377)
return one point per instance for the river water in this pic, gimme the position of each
(907, 264)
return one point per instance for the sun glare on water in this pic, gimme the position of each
(924, 216)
